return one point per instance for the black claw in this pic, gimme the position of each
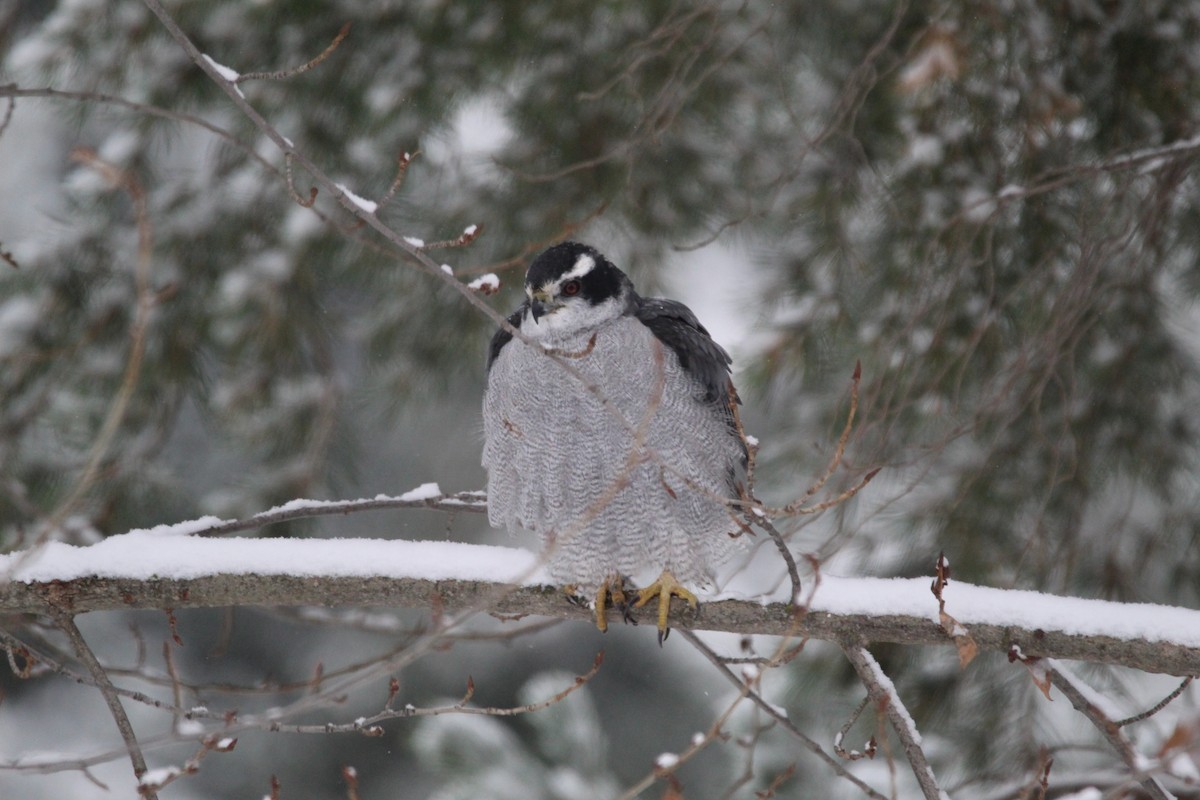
(662, 636)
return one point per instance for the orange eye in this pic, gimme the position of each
(571, 288)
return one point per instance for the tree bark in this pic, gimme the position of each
(737, 616)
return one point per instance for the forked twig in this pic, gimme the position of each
(161, 778)
(779, 716)
(1077, 694)
(868, 750)
(1047, 672)
(883, 693)
(369, 726)
(799, 507)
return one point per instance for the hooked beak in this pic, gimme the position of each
(541, 304)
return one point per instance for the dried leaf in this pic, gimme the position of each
(963, 641)
(1180, 739)
(674, 790)
(1041, 678)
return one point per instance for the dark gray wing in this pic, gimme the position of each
(677, 327)
(502, 337)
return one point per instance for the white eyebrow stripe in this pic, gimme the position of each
(583, 266)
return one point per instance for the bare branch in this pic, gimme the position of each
(777, 714)
(13, 91)
(800, 506)
(161, 777)
(37, 659)
(369, 726)
(784, 552)
(303, 509)
(1077, 693)
(66, 622)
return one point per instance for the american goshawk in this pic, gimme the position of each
(624, 461)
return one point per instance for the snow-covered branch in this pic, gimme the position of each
(176, 571)
(883, 693)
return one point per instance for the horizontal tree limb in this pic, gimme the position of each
(738, 616)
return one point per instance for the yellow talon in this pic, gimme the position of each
(663, 588)
(609, 588)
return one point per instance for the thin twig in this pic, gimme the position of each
(694, 748)
(143, 305)
(212, 743)
(176, 684)
(8, 114)
(840, 450)
(884, 695)
(39, 658)
(781, 545)
(1159, 706)
(402, 162)
(854, 755)
(469, 234)
(294, 71)
(774, 712)
(14, 91)
(303, 509)
(66, 622)
(799, 507)
(369, 726)
(306, 202)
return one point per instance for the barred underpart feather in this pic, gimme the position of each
(604, 500)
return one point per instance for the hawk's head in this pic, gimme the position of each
(572, 288)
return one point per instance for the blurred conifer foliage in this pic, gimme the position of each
(992, 205)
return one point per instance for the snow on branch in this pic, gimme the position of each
(180, 571)
(887, 702)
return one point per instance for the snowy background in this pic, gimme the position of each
(994, 208)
